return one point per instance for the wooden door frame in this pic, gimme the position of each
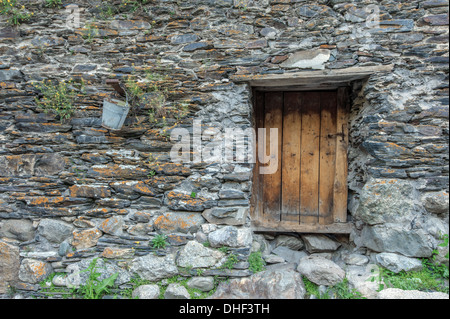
(340, 225)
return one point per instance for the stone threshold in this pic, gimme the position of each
(272, 226)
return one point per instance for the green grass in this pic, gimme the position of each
(339, 291)
(430, 278)
(58, 98)
(159, 241)
(50, 290)
(256, 262)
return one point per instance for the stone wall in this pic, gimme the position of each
(73, 190)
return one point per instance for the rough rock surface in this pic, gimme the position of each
(321, 271)
(269, 284)
(393, 293)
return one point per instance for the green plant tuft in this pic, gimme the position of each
(94, 287)
(57, 98)
(159, 242)
(256, 262)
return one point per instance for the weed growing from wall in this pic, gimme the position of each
(14, 11)
(57, 98)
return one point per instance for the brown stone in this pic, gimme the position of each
(9, 264)
(133, 187)
(118, 171)
(179, 222)
(117, 253)
(258, 44)
(86, 238)
(112, 226)
(34, 271)
(279, 58)
(170, 169)
(436, 20)
(89, 191)
(22, 230)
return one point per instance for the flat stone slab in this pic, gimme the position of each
(394, 293)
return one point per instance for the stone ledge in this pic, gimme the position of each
(336, 77)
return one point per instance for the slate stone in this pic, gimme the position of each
(54, 230)
(397, 239)
(9, 264)
(436, 20)
(269, 284)
(397, 263)
(11, 75)
(183, 38)
(197, 46)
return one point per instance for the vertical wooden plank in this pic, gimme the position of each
(340, 192)
(290, 205)
(309, 170)
(257, 198)
(272, 182)
(327, 165)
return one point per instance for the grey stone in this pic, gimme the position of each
(436, 202)
(22, 230)
(196, 255)
(355, 259)
(436, 19)
(183, 38)
(386, 200)
(291, 256)
(308, 59)
(9, 264)
(59, 280)
(398, 263)
(112, 226)
(41, 255)
(176, 291)
(321, 271)
(130, 25)
(364, 279)
(197, 46)
(154, 268)
(434, 226)
(202, 283)
(396, 239)
(319, 243)
(231, 194)
(233, 216)
(84, 67)
(55, 231)
(47, 41)
(181, 222)
(34, 271)
(395, 293)
(78, 276)
(11, 75)
(395, 25)
(230, 236)
(273, 259)
(268, 32)
(269, 284)
(292, 242)
(146, 292)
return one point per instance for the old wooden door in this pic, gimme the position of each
(308, 191)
